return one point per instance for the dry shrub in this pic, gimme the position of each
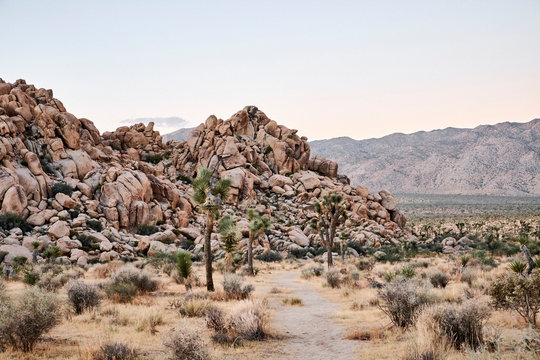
(438, 278)
(402, 301)
(150, 323)
(215, 320)
(194, 307)
(249, 319)
(456, 324)
(115, 351)
(365, 334)
(24, 321)
(365, 264)
(234, 287)
(292, 301)
(82, 296)
(127, 282)
(186, 344)
(468, 276)
(312, 271)
(50, 282)
(105, 271)
(430, 353)
(333, 278)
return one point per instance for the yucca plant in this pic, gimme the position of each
(464, 260)
(518, 267)
(257, 226)
(183, 266)
(229, 237)
(209, 193)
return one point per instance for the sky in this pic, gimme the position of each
(327, 68)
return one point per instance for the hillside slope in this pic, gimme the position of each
(501, 159)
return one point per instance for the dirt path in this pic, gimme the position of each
(311, 332)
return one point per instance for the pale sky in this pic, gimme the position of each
(327, 68)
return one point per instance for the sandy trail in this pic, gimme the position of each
(310, 331)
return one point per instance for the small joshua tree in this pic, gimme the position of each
(331, 213)
(183, 266)
(229, 236)
(209, 194)
(257, 226)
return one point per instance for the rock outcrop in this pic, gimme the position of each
(88, 193)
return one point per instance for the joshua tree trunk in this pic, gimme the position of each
(208, 251)
(329, 254)
(250, 254)
(342, 251)
(528, 257)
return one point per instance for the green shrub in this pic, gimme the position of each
(52, 252)
(269, 256)
(30, 277)
(127, 282)
(122, 292)
(183, 264)
(23, 321)
(86, 242)
(3, 255)
(10, 221)
(153, 158)
(407, 272)
(94, 225)
(145, 229)
(61, 187)
(519, 293)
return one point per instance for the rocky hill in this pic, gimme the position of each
(178, 135)
(89, 193)
(501, 159)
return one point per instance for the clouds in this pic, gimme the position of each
(164, 125)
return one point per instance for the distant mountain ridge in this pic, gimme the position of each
(501, 159)
(178, 135)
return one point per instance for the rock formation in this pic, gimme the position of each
(114, 182)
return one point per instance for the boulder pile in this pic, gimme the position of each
(89, 193)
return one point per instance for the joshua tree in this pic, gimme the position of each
(209, 194)
(257, 225)
(183, 266)
(330, 215)
(343, 236)
(229, 236)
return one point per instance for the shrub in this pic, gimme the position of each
(141, 279)
(407, 272)
(458, 324)
(115, 351)
(82, 296)
(52, 252)
(438, 278)
(30, 277)
(3, 255)
(86, 242)
(24, 321)
(183, 264)
(365, 264)
(186, 344)
(49, 282)
(292, 301)
(94, 225)
(122, 293)
(194, 307)
(215, 320)
(519, 293)
(234, 287)
(248, 320)
(312, 271)
(10, 221)
(469, 277)
(402, 301)
(333, 278)
(269, 256)
(61, 187)
(145, 229)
